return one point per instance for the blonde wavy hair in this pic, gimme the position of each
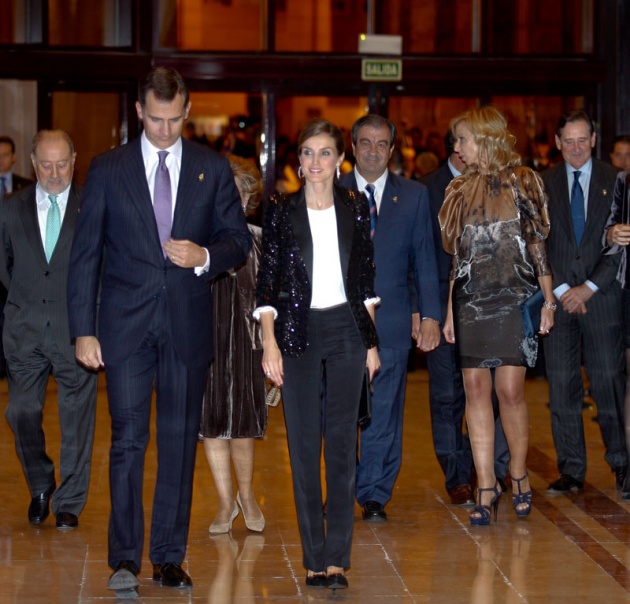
(494, 141)
(249, 180)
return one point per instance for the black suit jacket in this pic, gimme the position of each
(36, 287)
(437, 182)
(117, 247)
(285, 275)
(570, 263)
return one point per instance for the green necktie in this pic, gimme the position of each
(53, 226)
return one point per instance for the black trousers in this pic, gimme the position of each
(320, 398)
(179, 393)
(76, 397)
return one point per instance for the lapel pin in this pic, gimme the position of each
(201, 177)
(604, 192)
(395, 200)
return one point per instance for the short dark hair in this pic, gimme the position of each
(375, 121)
(165, 83)
(7, 140)
(449, 143)
(579, 115)
(624, 138)
(318, 126)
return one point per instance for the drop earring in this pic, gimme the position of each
(300, 174)
(338, 173)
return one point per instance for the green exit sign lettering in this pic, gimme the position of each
(381, 70)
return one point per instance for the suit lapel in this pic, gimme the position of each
(388, 202)
(596, 191)
(28, 215)
(188, 178)
(69, 220)
(345, 231)
(559, 196)
(298, 216)
(133, 179)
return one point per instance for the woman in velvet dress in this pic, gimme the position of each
(316, 306)
(234, 411)
(494, 222)
(616, 240)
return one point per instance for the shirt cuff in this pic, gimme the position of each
(372, 301)
(591, 285)
(560, 290)
(200, 270)
(261, 309)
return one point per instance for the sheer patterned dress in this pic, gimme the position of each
(234, 402)
(495, 226)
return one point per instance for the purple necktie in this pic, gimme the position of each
(162, 199)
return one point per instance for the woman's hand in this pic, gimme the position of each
(449, 328)
(272, 364)
(373, 362)
(547, 318)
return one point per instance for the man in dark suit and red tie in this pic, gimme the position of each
(403, 245)
(588, 318)
(160, 217)
(37, 226)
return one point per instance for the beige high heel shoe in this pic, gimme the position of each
(224, 527)
(253, 525)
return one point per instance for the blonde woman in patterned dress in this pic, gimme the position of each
(495, 222)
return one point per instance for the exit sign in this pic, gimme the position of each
(381, 70)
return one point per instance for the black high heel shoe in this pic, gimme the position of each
(485, 511)
(521, 498)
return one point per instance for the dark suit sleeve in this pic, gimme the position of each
(230, 240)
(6, 251)
(86, 256)
(424, 262)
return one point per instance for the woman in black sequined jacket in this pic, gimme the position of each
(315, 299)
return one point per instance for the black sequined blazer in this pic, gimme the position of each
(285, 274)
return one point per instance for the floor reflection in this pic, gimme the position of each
(234, 577)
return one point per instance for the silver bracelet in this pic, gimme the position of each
(550, 305)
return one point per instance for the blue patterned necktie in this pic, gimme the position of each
(577, 207)
(162, 199)
(373, 214)
(3, 187)
(53, 226)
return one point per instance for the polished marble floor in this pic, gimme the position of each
(571, 548)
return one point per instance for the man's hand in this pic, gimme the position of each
(184, 253)
(574, 300)
(88, 352)
(429, 337)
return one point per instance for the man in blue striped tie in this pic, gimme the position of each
(403, 246)
(589, 306)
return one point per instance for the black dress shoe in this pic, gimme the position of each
(317, 580)
(40, 507)
(461, 495)
(124, 580)
(337, 581)
(171, 574)
(565, 484)
(67, 521)
(620, 476)
(373, 511)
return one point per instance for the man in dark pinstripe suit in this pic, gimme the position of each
(589, 306)
(161, 216)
